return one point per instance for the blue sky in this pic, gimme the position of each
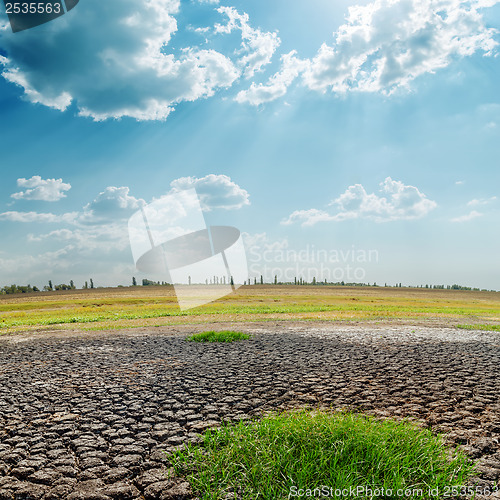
(319, 125)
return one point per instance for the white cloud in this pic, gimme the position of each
(277, 85)
(106, 267)
(397, 202)
(383, 46)
(309, 217)
(215, 191)
(115, 204)
(32, 266)
(125, 67)
(97, 237)
(41, 189)
(38, 217)
(105, 238)
(481, 201)
(120, 68)
(260, 242)
(258, 46)
(112, 204)
(401, 202)
(460, 183)
(470, 216)
(387, 43)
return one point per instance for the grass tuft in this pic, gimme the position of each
(222, 336)
(278, 455)
(487, 328)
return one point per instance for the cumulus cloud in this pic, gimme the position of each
(215, 191)
(473, 214)
(310, 217)
(401, 202)
(387, 43)
(397, 201)
(99, 231)
(114, 203)
(126, 67)
(41, 189)
(383, 46)
(105, 238)
(69, 262)
(260, 242)
(120, 68)
(257, 46)
(39, 217)
(277, 85)
(481, 201)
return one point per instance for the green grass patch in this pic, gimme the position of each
(222, 336)
(488, 328)
(273, 457)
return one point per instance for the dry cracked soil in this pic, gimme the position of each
(90, 416)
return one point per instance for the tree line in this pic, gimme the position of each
(49, 287)
(298, 281)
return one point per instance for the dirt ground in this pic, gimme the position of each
(89, 415)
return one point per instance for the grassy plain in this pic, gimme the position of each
(117, 308)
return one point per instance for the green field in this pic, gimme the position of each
(116, 308)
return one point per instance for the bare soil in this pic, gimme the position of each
(89, 415)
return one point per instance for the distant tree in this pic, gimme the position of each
(275, 279)
(86, 285)
(63, 286)
(146, 282)
(50, 285)
(91, 283)
(232, 281)
(261, 280)
(255, 281)
(72, 285)
(134, 281)
(189, 280)
(314, 280)
(295, 280)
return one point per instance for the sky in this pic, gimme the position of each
(349, 141)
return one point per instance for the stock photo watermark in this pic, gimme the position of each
(311, 264)
(170, 239)
(25, 15)
(371, 492)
